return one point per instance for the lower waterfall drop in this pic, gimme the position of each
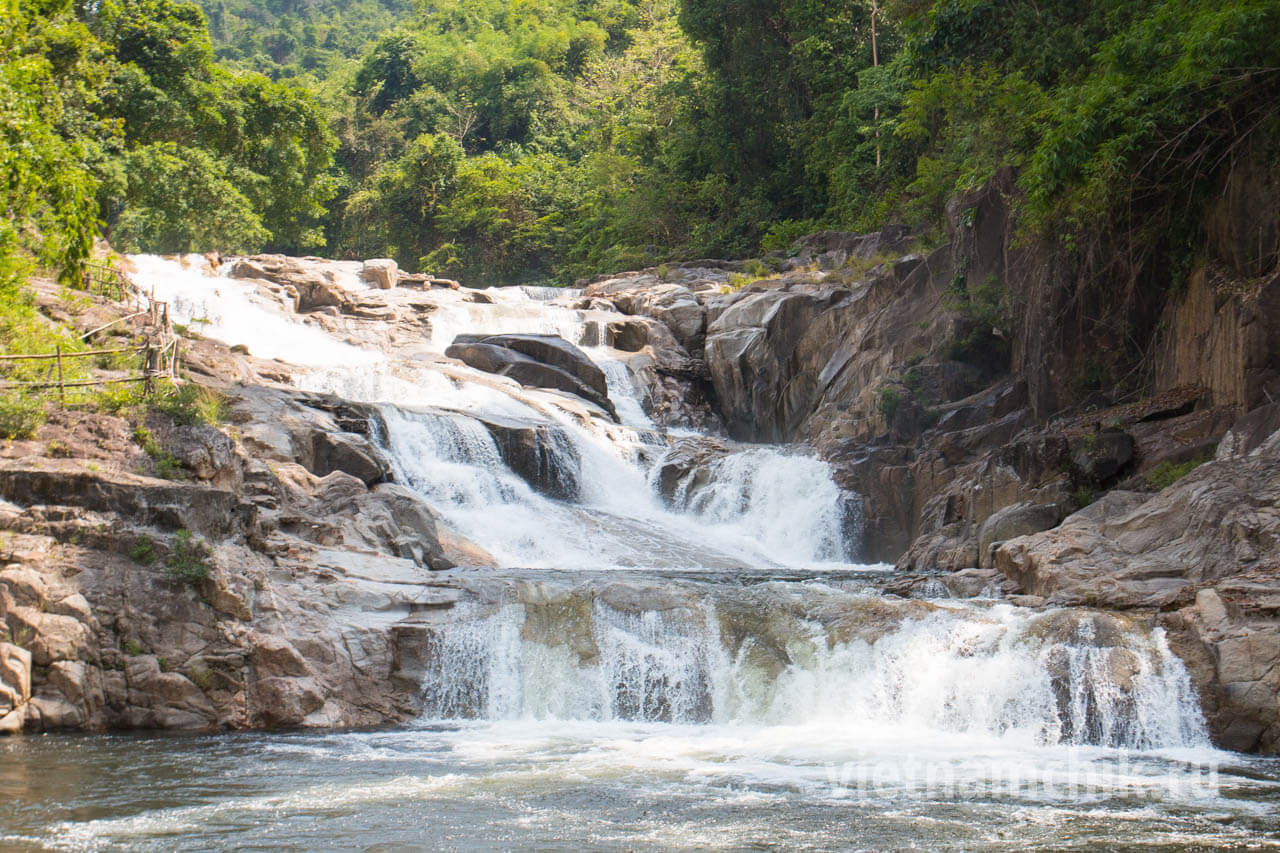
(796, 654)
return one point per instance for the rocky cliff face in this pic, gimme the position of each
(957, 390)
(966, 396)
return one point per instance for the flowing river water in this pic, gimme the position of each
(712, 670)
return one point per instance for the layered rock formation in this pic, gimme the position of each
(992, 451)
(972, 420)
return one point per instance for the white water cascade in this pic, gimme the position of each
(670, 649)
(986, 671)
(786, 654)
(769, 507)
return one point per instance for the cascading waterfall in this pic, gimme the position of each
(671, 651)
(962, 669)
(966, 670)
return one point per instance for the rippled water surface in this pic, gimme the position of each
(556, 785)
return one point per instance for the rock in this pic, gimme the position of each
(750, 351)
(686, 468)
(204, 451)
(1135, 550)
(674, 305)
(537, 361)
(539, 454)
(49, 636)
(415, 520)
(49, 713)
(382, 273)
(349, 453)
(165, 504)
(1212, 611)
(275, 656)
(548, 349)
(1016, 520)
(15, 687)
(1249, 432)
(833, 249)
(628, 336)
(78, 683)
(1102, 456)
(280, 702)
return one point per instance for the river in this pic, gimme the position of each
(710, 670)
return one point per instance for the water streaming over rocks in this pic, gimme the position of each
(672, 647)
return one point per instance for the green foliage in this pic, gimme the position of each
(48, 216)
(189, 404)
(187, 562)
(131, 647)
(888, 399)
(1083, 495)
(1167, 473)
(166, 465)
(143, 551)
(984, 338)
(20, 415)
(546, 139)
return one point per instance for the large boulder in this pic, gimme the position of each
(347, 452)
(381, 273)
(674, 305)
(539, 454)
(763, 390)
(1016, 520)
(15, 686)
(1135, 550)
(536, 361)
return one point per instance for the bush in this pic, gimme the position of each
(888, 400)
(1167, 473)
(116, 398)
(143, 551)
(20, 415)
(189, 404)
(187, 562)
(167, 466)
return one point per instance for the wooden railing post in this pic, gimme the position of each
(62, 389)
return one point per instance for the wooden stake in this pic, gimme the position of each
(62, 389)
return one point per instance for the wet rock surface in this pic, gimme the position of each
(538, 361)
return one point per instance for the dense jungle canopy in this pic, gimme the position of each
(545, 139)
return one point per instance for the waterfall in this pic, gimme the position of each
(526, 476)
(994, 672)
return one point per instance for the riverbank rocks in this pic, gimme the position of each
(382, 273)
(15, 686)
(538, 361)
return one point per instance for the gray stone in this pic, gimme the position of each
(350, 453)
(1012, 521)
(382, 273)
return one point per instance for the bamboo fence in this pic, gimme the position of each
(160, 350)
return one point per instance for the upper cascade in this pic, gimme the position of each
(517, 414)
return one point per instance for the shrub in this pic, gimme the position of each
(1167, 473)
(20, 415)
(167, 466)
(888, 400)
(1083, 495)
(190, 404)
(187, 562)
(143, 551)
(114, 399)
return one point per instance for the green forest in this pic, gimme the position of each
(541, 140)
